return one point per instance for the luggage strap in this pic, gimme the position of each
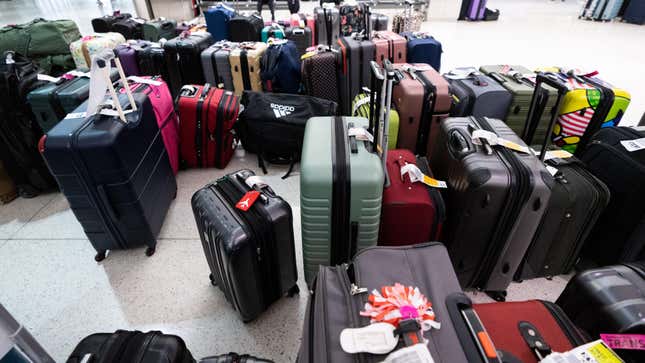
(244, 65)
(198, 120)
(534, 340)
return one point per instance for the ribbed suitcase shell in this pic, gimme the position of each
(356, 54)
(487, 99)
(251, 254)
(183, 59)
(389, 45)
(494, 202)
(321, 26)
(116, 177)
(320, 167)
(423, 48)
(216, 64)
(247, 77)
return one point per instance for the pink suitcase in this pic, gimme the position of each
(389, 45)
(163, 105)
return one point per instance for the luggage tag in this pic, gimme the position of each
(555, 154)
(493, 139)
(417, 353)
(44, 77)
(462, 73)
(633, 145)
(624, 341)
(416, 175)
(147, 81)
(378, 338)
(360, 134)
(247, 200)
(594, 352)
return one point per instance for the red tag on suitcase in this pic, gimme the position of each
(247, 200)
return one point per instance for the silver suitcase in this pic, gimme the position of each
(322, 24)
(216, 65)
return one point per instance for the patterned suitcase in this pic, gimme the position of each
(320, 75)
(84, 48)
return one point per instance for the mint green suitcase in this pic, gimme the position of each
(341, 186)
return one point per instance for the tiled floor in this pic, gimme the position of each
(50, 282)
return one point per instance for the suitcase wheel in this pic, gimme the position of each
(499, 296)
(150, 251)
(212, 278)
(293, 290)
(100, 256)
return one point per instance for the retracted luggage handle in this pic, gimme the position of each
(382, 119)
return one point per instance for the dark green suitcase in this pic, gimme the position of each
(154, 30)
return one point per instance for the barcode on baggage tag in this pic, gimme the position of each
(633, 145)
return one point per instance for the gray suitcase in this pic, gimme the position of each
(339, 294)
(378, 22)
(327, 30)
(300, 36)
(475, 94)
(217, 68)
(495, 200)
(356, 53)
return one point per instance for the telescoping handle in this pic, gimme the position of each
(380, 105)
(102, 60)
(535, 111)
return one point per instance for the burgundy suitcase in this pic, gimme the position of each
(510, 324)
(422, 98)
(206, 118)
(412, 213)
(389, 45)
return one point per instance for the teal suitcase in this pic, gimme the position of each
(272, 31)
(341, 186)
(154, 30)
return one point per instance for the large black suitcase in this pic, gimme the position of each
(495, 200)
(251, 253)
(131, 347)
(130, 28)
(619, 233)
(104, 24)
(356, 52)
(577, 199)
(114, 172)
(183, 60)
(151, 61)
(245, 28)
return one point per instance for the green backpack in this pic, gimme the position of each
(44, 41)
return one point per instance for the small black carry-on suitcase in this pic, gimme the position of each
(113, 170)
(131, 347)
(183, 60)
(577, 198)
(247, 235)
(245, 28)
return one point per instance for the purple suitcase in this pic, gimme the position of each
(477, 9)
(127, 54)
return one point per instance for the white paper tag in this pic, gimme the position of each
(112, 112)
(140, 21)
(149, 81)
(76, 115)
(377, 338)
(633, 145)
(254, 180)
(79, 74)
(417, 353)
(360, 134)
(416, 175)
(552, 170)
(556, 154)
(461, 73)
(44, 77)
(493, 139)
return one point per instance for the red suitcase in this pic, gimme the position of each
(412, 212)
(206, 119)
(508, 324)
(389, 45)
(422, 98)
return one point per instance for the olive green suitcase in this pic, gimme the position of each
(360, 107)
(520, 82)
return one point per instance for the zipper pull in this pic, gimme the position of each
(355, 290)
(259, 252)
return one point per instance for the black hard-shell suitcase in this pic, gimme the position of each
(131, 347)
(104, 24)
(495, 200)
(478, 95)
(130, 28)
(356, 53)
(339, 293)
(251, 254)
(619, 233)
(183, 60)
(152, 62)
(245, 28)
(577, 200)
(114, 172)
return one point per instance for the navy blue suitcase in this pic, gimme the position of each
(423, 48)
(635, 12)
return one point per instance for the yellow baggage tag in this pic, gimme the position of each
(434, 182)
(512, 145)
(308, 55)
(557, 154)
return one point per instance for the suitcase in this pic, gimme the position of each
(474, 9)
(378, 22)
(519, 81)
(577, 200)
(7, 187)
(183, 59)
(389, 45)
(320, 75)
(327, 27)
(623, 221)
(18, 345)
(352, 19)
(104, 24)
(127, 54)
(356, 52)
(245, 65)
(412, 212)
(635, 13)
(280, 67)
(217, 19)
(114, 172)
(423, 48)
(245, 28)
(53, 101)
(339, 294)
(249, 245)
(234, 357)
(272, 31)
(206, 115)
(216, 64)
(305, 21)
(86, 47)
(495, 200)
(130, 28)
(477, 95)
(361, 108)
(509, 325)
(152, 62)
(423, 98)
(157, 29)
(301, 37)
(612, 8)
(131, 346)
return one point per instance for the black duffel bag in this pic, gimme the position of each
(272, 125)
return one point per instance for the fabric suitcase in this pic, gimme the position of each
(234, 357)
(339, 294)
(495, 200)
(245, 65)
(274, 30)
(157, 29)
(216, 64)
(423, 48)
(245, 28)
(635, 13)
(623, 221)
(423, 99)
(217, 18)
(83, 49)
(356, 53)
(131, 346)
(7, 187)
(206, 115)
(114, 172)
(130, 28)
(250, 252)
(378, 22)
(104, 24)
(389, 45)
(280, 67)
(320, 75)
(183, 59)
(360, 108)
(301, 37)
(412, 213)
(509, 323)
(478, 95)
(127, 54)
(327, 25)
(152, 62)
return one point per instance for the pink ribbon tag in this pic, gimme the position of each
(624, 341)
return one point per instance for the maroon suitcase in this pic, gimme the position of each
(389, 45)
(412, 212)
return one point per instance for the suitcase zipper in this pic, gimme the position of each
(198, 121)
(572, 334)
(219, 125)
(350, 290)
(427, 111)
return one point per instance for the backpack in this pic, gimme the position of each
(280, 68)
